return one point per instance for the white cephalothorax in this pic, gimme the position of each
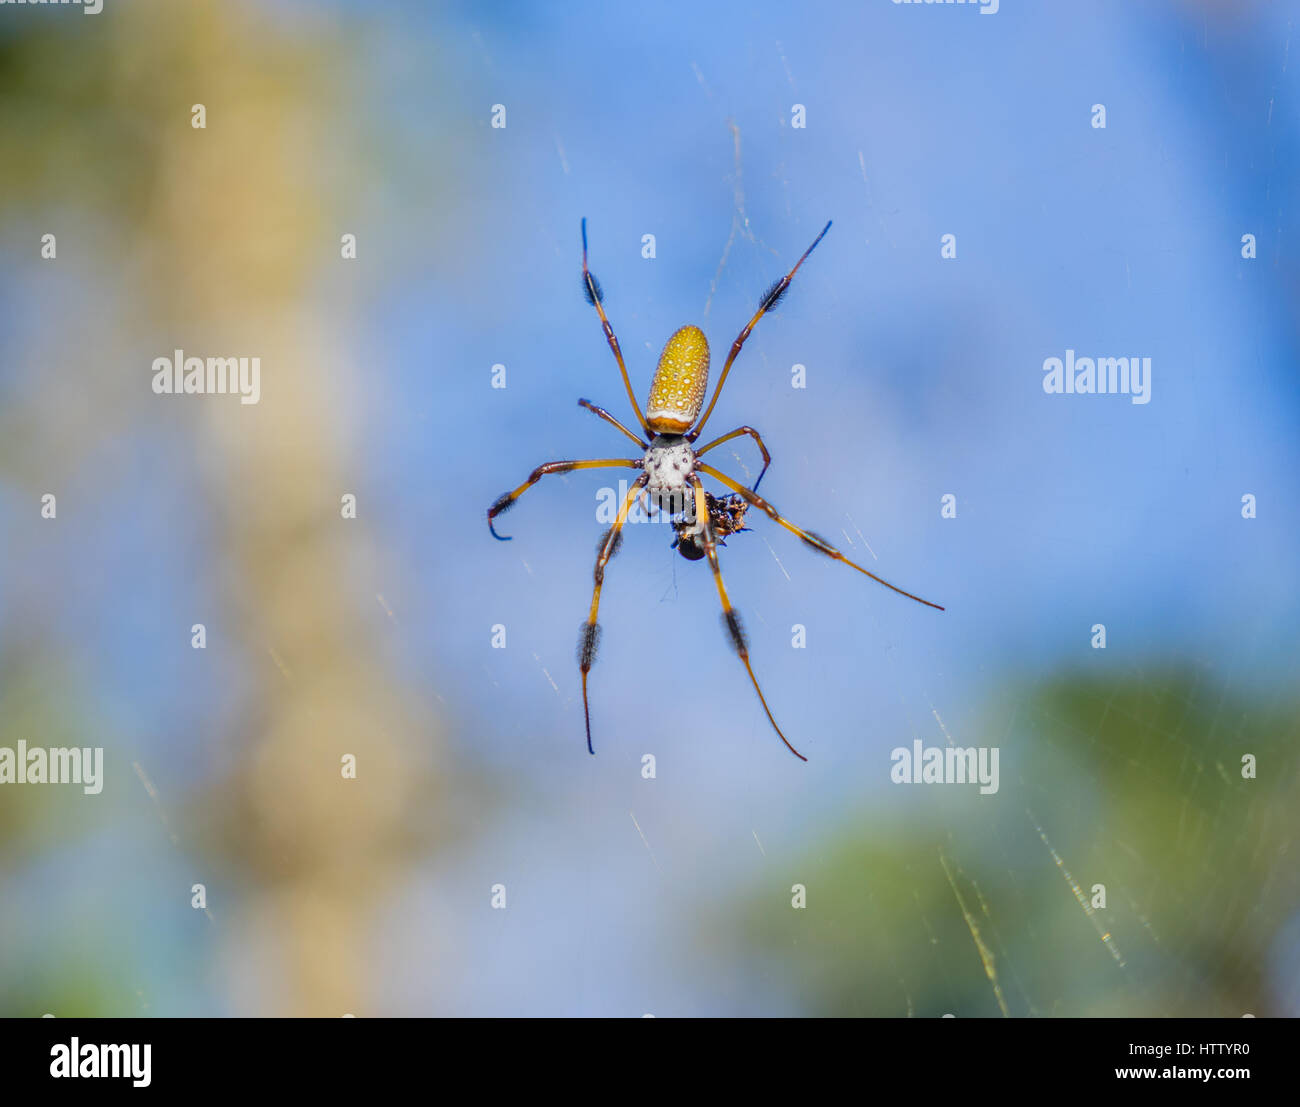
(669, 462)
(671, 468)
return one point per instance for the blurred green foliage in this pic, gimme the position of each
(943, 901)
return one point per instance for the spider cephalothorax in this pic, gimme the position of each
(669, 464)
(671, 471)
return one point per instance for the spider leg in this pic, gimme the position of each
(507, 500)
(590, 635)
(591, 289)
(815, 541)
(610, 419)
(767, 458)
(771, 298)
(731, 620)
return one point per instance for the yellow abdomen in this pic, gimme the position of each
(677, 391)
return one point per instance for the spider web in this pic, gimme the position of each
(1126, 865)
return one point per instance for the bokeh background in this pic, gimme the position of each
(374, 637)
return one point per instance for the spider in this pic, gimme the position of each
(670, 471)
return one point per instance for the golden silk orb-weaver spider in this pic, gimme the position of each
(671, 469)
